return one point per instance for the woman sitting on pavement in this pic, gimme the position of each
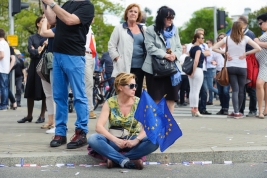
(119, 110)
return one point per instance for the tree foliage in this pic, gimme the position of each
(102, 30)
(24, 22)
(202, 18)
(253, 23)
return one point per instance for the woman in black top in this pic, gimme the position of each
(34, 89)
(196, 78)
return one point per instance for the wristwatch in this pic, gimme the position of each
(52, 5)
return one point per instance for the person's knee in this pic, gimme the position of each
(93, 139)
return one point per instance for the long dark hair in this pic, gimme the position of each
(38, 20)
(162, 13)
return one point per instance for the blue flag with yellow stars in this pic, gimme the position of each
(170, 131)
(148, 114)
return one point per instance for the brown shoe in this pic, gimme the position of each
(134, 164)
(92, 115)
(110, 164)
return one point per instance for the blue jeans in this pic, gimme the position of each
(203, 94)
(224, 95)
(210, 77)
(69, 69)
(111, 81)
(109, 149)
(4, 89)
(252, 99)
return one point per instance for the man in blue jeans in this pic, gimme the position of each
(4, 70)
(211, 71)
(72, 20)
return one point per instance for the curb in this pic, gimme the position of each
(217, 157)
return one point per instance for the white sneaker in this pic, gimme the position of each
(51, 131)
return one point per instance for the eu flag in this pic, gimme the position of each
(170, 131)
(148, 114)
(158, 122)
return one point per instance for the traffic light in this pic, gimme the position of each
(17, 6)
(221, 20)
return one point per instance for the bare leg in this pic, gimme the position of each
(265, 98)
(260, 94)
(170, 104)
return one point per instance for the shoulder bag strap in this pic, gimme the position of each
(226, 50)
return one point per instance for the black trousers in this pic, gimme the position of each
(139, 73)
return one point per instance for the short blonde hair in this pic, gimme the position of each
(122, 79)
(130, 7)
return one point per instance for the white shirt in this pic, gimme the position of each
(219, 60)
(235, 51)
(89, 40)
(181, 60)
(5, 62)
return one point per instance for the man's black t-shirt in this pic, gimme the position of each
(18, 68)
(71, 39)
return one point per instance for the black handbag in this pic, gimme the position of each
(163, 67)
(42, 69)
(188, 65)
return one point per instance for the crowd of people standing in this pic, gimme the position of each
(64, 35)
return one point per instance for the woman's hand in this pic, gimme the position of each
(256, 40)
(131, 143)
(243, 56)
(45, 42)
(214, 63)
(121, 143)
(229, 57)
(40, 49)
(191, 76)
(170, 57)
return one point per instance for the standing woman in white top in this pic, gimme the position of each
(236, 64)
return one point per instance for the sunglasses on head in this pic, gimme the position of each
(132, 85)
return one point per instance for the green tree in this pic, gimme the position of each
(253, 23)
(100, 27)
(23, 23)
(149, 20)
(202, 18)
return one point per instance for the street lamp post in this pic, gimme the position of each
(11, 32)
(214, 21)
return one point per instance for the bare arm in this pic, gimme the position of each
(12, 62)
(254, 45)
(48, 33)
(24, 75)
(206, 52)
(50, 15)
(100, 127)
(217, 46)
(2, 55)
(260, 43)
(64, 16)
(197, 55)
